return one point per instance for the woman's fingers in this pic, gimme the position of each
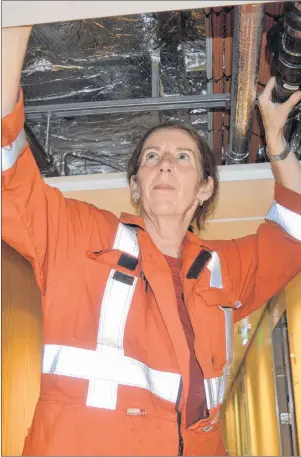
(292, 101)
(266, 94)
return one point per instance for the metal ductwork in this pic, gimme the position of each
(248, 29)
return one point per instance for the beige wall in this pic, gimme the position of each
(238, 199)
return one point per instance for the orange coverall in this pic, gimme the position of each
(116, 378)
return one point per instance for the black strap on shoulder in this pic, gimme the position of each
(127, 261)
(121, 277)
(198, 265)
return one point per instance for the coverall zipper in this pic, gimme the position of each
(181, 442)
(179, 421)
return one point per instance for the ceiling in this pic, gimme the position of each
(103, 61)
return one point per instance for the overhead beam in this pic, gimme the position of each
(23, 12)
(128, 106)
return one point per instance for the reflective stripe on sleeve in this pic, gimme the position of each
(10, 153)
(287, 219)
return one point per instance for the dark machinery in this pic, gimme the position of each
(284, 43)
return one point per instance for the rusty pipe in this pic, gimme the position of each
(248, 29)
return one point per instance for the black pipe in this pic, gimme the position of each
(44, 163)
(284, 42)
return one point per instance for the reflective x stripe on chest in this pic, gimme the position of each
(107, 366)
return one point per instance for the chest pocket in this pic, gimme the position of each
(215, 325)
(107, 367)
(109, 281)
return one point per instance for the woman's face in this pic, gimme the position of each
(168, 181)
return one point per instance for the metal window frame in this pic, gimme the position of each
(277, 313)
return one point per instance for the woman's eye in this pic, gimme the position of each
(183, 156)
(151, 156)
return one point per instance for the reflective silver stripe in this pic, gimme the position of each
(114, 312)
(126, 240)
(107, 367)
(214, 266)
(94, 365)
(215, 390)
(215, 387)
(115, 307)
(287, 219)
(228, 312)
(10, 153)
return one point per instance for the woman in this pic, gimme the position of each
(138, 311)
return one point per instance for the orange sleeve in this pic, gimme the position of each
(37, 221)
(13, 123)
(261, 265)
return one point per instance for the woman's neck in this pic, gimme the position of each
(167, 234)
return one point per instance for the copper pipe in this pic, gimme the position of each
(248, 28)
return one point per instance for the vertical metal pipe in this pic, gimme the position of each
(47, 133)
(155, 76)
(248, 28)
(209, 71)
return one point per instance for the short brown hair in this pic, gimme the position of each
(207, 161)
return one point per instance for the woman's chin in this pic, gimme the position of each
(164, 209)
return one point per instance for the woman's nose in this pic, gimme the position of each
(165, 165)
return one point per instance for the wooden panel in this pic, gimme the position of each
(261, 393)
(21, 349)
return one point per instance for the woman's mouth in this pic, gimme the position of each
(163, 187)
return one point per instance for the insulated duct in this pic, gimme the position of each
(113, 62)
(248, 29)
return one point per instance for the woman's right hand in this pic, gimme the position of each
(14, 44)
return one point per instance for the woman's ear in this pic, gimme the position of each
(134, 189)
(206, 189)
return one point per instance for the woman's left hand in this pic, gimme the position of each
(275, 115)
